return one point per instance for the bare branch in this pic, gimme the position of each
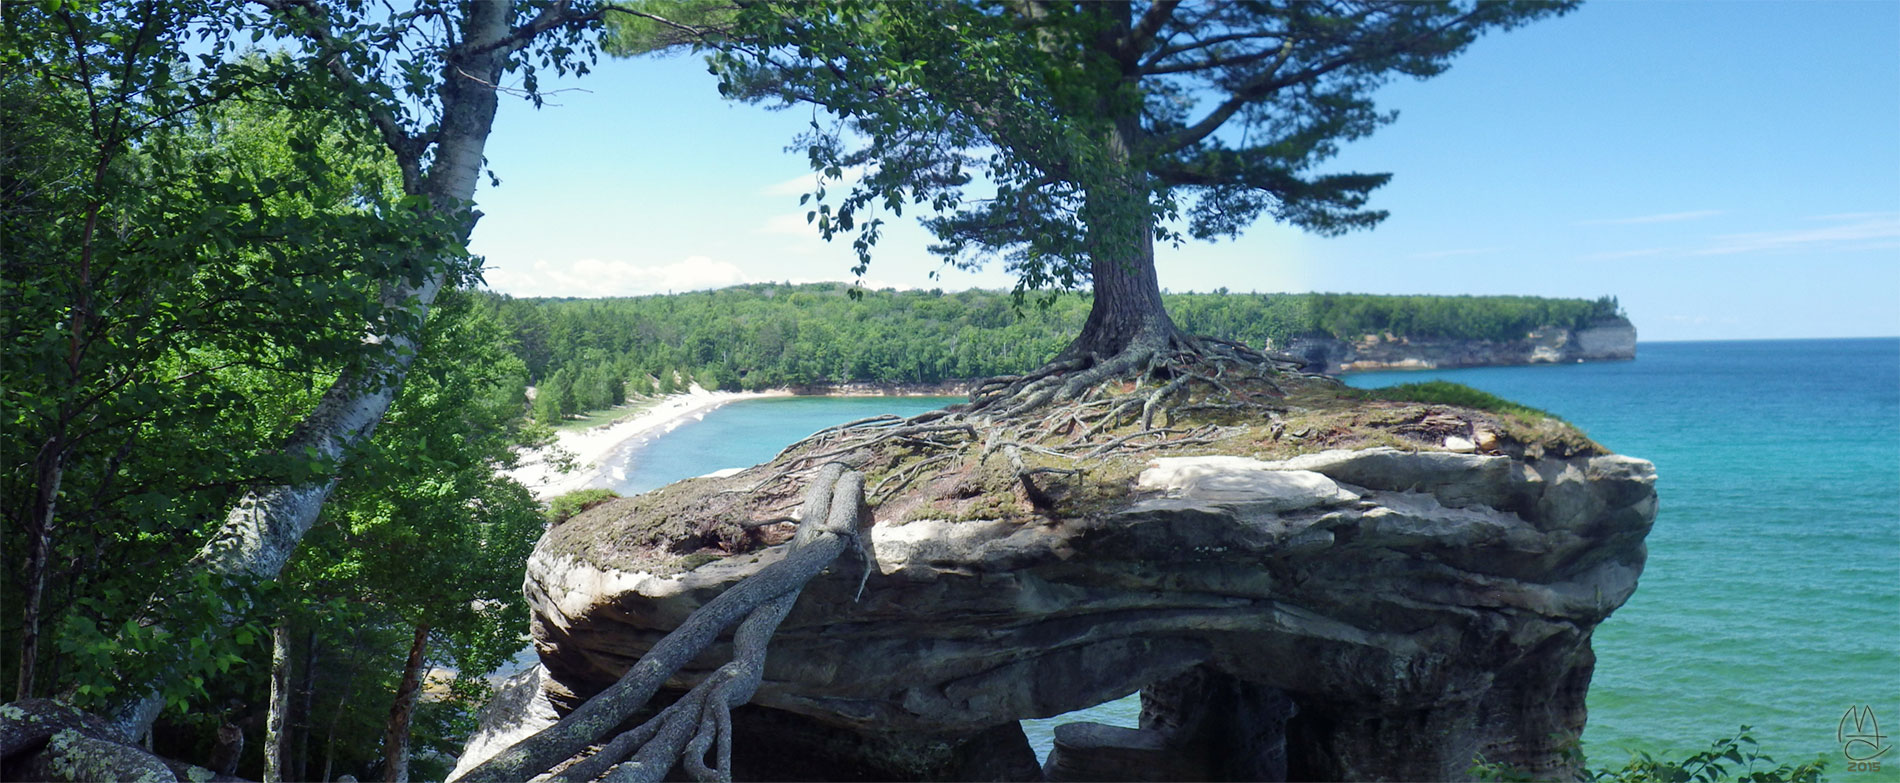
(703, 35)
(1145, 29)
(1165, 52)
(557, 14)
(1264, 83)
(1213, 61)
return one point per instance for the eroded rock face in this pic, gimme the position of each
(1416, 609)
(1611, 339)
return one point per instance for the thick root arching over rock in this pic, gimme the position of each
(701, 721)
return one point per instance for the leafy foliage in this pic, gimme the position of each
(1737, 758)
(1057, 136)
(422, 531)
(196, 243)
(184, 269)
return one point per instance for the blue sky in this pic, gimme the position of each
(1728, 170)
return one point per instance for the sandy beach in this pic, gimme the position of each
(589, 449)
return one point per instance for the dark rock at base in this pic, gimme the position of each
(1350, 615)
(1092, 751)
(775, 745)
(1238, 726)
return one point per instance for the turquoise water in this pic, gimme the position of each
(1772, 592)
(748, 432)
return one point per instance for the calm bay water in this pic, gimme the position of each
(749, 432)
(1772, 592)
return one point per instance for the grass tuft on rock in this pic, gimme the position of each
(1448, 393)
(564, 507)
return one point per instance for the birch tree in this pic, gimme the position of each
(427, 81)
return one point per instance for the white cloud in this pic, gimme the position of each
(1848, 232)
(1847, 216)
(1667, 217)
(592, 277)
(803, 183)
(808, 181)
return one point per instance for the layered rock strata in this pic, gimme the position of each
(1372, 614)
(1609, 340)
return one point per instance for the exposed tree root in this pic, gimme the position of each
(1075, 409)
(700, 722)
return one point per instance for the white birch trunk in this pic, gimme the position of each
(263, 530)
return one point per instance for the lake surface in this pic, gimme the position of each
(745, 433)
(1772, 591)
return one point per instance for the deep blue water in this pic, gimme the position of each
(1772, 592)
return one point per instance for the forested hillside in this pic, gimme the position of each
(769, 335)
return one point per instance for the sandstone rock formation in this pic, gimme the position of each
(1609, 340)
(1346, 614)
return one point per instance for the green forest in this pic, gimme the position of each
(591, 353)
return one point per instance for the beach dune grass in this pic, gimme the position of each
(587, 420)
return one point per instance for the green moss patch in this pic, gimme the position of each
(1448, 393)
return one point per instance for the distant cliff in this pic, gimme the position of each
(1609, 339)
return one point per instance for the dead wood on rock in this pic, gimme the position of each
(700, 722)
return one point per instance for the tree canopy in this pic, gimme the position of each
(1066, 138)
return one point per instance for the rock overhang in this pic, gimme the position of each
(1375, 581)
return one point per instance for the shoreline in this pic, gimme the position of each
(590, 450)
(595, 452)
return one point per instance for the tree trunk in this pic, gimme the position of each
(396, 736)
(49, 469)
(1127, 312)
(229, 750)
(263, 530)
(279, 703)
(306, 699)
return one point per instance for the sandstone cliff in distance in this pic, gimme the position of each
(1612, 339)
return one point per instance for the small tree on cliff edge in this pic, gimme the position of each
(1100, 125)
